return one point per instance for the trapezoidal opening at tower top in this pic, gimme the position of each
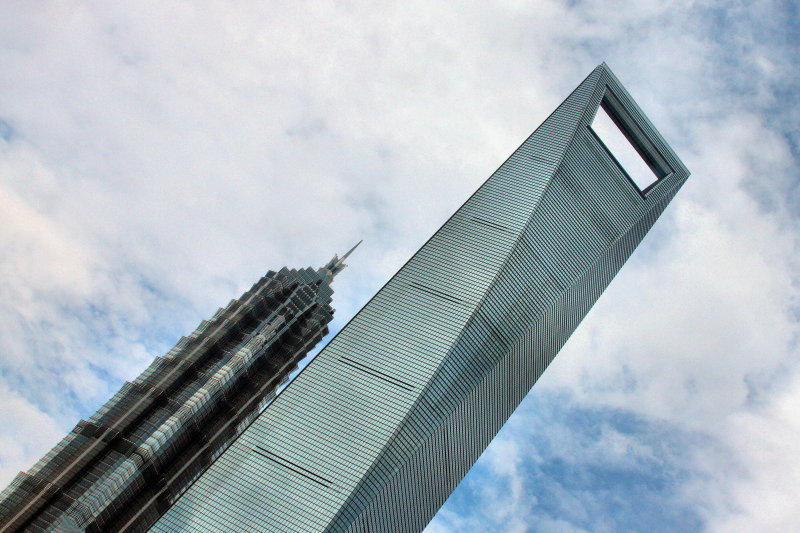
(627, 144)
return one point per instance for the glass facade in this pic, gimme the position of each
(379, 429)
(122, 468)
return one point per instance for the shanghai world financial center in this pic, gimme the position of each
(377, 431)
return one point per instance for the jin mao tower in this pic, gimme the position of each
(122, 468)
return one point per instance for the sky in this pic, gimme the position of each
(157, 158)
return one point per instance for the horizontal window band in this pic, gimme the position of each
(377, 373)
(294, 467)
(491, 224)
(434, 292)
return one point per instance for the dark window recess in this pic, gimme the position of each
(434, 292)
(491, 224)
(627, 144)
(376, 373)
(294, 467)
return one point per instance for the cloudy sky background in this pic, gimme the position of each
(156, 160)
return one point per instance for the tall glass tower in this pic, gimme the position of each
(122, 468)
(379, 429)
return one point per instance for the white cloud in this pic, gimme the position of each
(760, 492)
(156, 160)
(26, 433)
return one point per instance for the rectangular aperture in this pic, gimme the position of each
(627, 144)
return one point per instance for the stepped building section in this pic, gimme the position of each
(122, 468)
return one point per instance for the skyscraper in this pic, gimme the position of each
(124, 466)
(379, 429)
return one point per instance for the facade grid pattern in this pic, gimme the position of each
(378, 430)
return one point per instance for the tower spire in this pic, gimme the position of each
(336, 264)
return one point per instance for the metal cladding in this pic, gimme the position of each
(379, 429)
(122, 468)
